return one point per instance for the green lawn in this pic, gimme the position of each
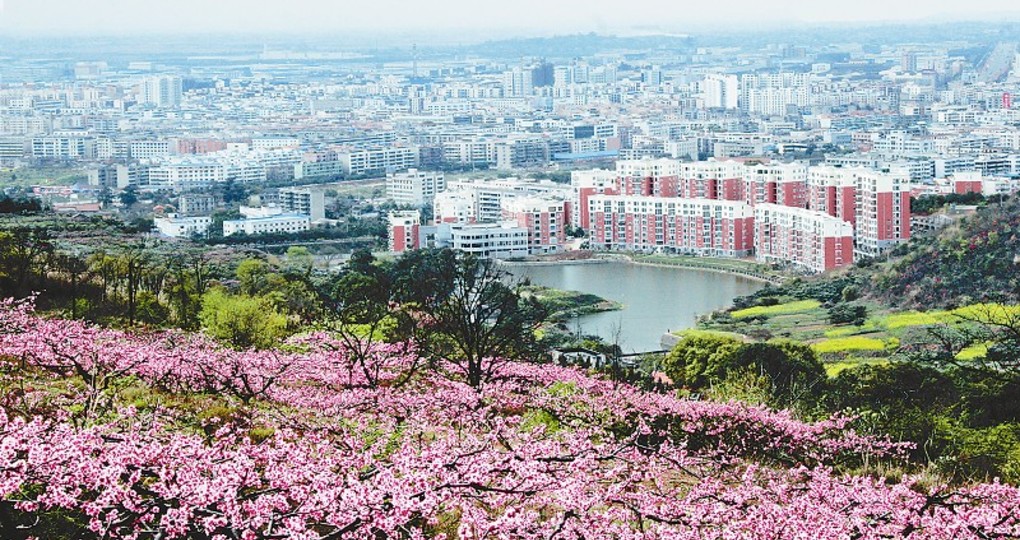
(908, 319)
(834, 368)
(844, 345)
(778, 309)
(693, 332)
(44, 176)
(973, 352)
(855, 343)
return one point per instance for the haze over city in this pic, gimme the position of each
(524, 17)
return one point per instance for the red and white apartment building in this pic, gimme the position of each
(813, 240)
(545, 219)
(588, 183)
(875, 205)
(833, 191)
(404, 227)
(883, 211)
(818, 218)
(696, 226)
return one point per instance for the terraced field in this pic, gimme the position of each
(877, 340)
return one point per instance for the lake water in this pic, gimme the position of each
(656, 299)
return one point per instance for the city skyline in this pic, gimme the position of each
(112, 17)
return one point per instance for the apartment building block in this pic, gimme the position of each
(805, 238)
(694, 226)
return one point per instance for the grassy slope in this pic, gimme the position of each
(931, 281)
(974, 261)
(45, 176)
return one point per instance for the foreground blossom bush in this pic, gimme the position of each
(315, 447)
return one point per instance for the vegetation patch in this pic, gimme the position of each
(978, 350)
(799, 306)
(843, 331)
(833, 369)
(694, 332)
(854, 343)
(562, 305)
(906, 319)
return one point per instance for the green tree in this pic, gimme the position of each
(129, 196)
(24, 252)
(848, 313)
(189, 276)
(253, 275)
(76, 269)
(363, 310)
(105, 196)
(131, 267)
(697, 360)
(233, 192)
(295, 297)
(299, 261)
(902, 400)
(242, 321)
(470, 314)
(790, 369)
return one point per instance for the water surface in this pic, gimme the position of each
(656, 299)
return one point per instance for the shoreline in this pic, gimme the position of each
(570, 262)
(752, 277)
(748, 275)
(605, 258)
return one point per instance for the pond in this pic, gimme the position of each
(656, 299)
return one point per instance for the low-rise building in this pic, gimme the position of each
(196, 204)
(486, 240)
(379, 160)
(178, 226)
(280, 223)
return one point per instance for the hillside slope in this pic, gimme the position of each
(107, 434)
(973, 261)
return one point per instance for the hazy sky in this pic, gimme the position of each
(530, 16)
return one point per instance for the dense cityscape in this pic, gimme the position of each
(796, 155)
(528, 271)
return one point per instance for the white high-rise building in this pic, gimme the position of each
(563, 76)
(720, 91)
(162, 91)
(414, 187)
(517, 82)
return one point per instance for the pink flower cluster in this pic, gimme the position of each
(540, 453)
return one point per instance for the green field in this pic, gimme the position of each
(42, 176)
(778, 309)
(855, 343)
(693, 332)
(843, 345)
(834, 368)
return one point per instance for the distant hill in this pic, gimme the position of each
(578, 45)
